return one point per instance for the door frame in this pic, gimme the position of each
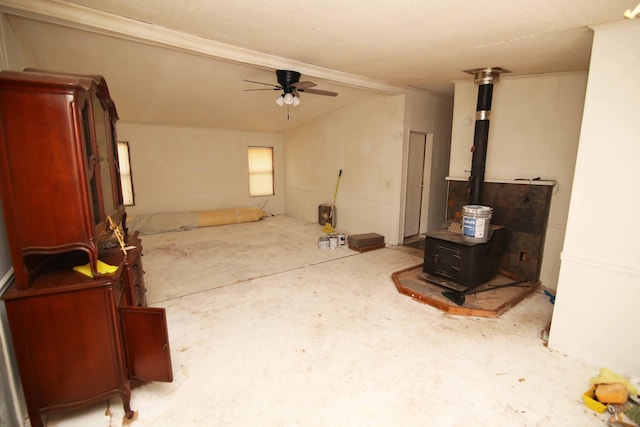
(426, 184)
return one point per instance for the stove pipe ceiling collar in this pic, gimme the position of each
(485, 79)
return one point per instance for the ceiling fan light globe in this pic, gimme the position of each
(280, 100)
(288, 98)
(296, 101)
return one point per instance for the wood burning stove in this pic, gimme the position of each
(447, 254)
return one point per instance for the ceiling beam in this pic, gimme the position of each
(87, 19)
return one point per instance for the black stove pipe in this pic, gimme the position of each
(485, 78)
(480, 140)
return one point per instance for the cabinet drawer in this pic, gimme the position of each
(144, 331)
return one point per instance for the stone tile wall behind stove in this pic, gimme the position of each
(523, 209)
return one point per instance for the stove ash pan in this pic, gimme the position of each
(449, 256)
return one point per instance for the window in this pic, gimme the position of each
(260, 171)
(126, 182)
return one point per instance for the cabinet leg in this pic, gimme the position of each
(126, 401)
(35, 418)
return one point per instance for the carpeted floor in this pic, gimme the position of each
(267, 330)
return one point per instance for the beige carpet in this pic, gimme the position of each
(267, 330)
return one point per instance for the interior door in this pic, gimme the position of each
(415, 184)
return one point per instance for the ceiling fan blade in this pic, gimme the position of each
(318, 92)
(295, 92)
(253, 90)
(303, 85)
(266, 84)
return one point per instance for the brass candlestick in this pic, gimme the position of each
(113, 226)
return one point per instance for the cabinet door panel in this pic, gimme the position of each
(147, 343)
(66, 345)
(45, 181)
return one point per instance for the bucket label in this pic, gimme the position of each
(473, 227)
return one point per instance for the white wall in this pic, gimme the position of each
(187, 169)
(366, 141)
(534, 132)
(596, 311)
(183, 169)
(369, 142)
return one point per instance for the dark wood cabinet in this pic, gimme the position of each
(78, 339)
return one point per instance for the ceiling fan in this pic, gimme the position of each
(291, 86)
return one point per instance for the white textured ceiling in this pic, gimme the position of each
(183, 62)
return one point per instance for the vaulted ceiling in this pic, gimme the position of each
(184, 62)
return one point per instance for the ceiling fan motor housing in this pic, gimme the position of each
(286, 78)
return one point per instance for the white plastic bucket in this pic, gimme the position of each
(475, 223)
